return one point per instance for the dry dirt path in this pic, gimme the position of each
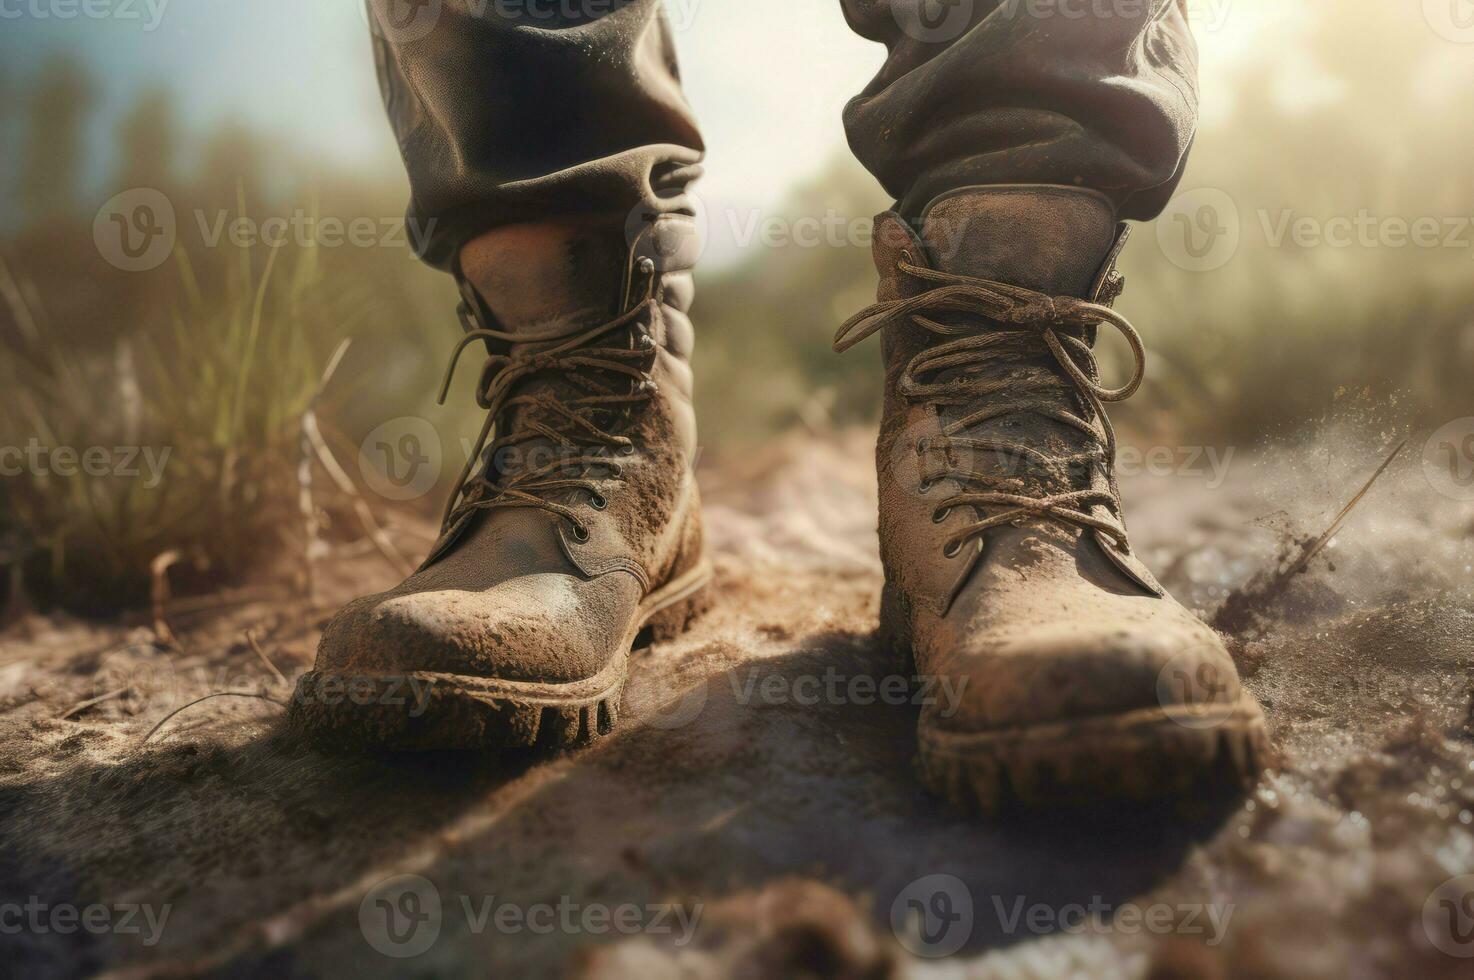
(744, 805)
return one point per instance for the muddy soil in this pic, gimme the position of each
(756, 814)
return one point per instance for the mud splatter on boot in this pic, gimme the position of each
(576, 522)
(1009, 574)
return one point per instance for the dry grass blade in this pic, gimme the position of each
(312, 436)
(1315, 547)
(312, 545)
(256, 648)
(84, 705)
(207, 697)
(1239, 610)
(10, 291)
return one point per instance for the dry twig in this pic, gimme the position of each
(159, 593)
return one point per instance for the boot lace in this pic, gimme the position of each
(997, 372)
(597, 379)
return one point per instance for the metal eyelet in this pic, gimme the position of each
(938, 516)
(921, 446)
(925, 487)
(580, 533)
(647, 264)
(628, 449)
(952, 550)
(598, 501)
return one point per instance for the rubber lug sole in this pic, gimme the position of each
(1146, 756)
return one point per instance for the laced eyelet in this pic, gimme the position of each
(580, 533)
(952, 550)
(598, 501)
(647, 265)
(628, 449)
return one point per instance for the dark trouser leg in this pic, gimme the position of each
(543, 145)
(1099, 94)
(514, 113)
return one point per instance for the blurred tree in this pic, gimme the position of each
(7, 156)
(63, 96)
(232, 167)
(148, 142)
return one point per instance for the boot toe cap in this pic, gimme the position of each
(548, 632)
(1076, 671)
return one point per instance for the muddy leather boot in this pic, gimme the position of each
(578, 529)
(1009, 574)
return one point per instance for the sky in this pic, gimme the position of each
(768, 78)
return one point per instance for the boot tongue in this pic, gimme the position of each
(1049, 239)
(535, 277)
(542, 278)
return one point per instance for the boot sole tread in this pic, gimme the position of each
(426, 710)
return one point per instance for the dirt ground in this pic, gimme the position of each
(736, 825)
